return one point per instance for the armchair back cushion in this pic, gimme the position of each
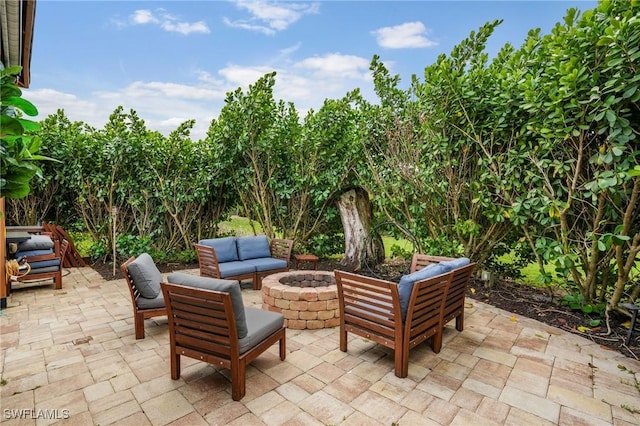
(253, 247)
(225, 248)
(146, 276)
(228, 286)
(405, 286)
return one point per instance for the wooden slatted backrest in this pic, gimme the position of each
(426, 308)
(208, 261)
(454, 304)
(64, 246)
(201, 322)
(124, 268)
(281, 249)
(420, 261)
(371, 305)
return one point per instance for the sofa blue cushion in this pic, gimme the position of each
(45, 263)
(405, 286)
(225, 248)
(228, 286)
(42, 270)
(260, 324)
(145, 275)
(456, 263)
(36, 242)
(253, 247)
(232, 269)
(29, 253)
(267, 263)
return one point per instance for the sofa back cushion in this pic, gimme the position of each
(228, 286)
(225, 248)
(253, 247)
(405, 286)
(456, 263)
(36, 242)
(145, 275)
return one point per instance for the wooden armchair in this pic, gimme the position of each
(204, 325)
(454, 304)
(370, 308)
(143, 307)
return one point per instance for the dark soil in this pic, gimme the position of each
(519, 299)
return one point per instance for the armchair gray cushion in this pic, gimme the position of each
(146, 276)
(228, 286)
(261, 324)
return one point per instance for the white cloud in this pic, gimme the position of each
(270, 17)
(409, 35)
(163, 105)
(141, 17)
(167, 22)
(336, 65)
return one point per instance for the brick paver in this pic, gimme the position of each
(72, 353)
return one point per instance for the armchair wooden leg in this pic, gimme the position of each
(175, 366)
(283, 348)
(238, 378)
(343, 339)
(138, 320)
(401, 359)
(57, 280)
(436, 342)
(460, 322)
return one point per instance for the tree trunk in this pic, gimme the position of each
(357, 216)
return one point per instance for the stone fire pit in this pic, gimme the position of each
(307, 299)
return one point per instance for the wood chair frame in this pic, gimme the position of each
(202, 326)
(139, 315)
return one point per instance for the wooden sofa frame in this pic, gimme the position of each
(208, 262)
(202, 326)
(454, 304)
(370, 307)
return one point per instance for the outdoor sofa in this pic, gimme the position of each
(243, 258)
(402, 315)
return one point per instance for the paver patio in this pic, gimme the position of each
(70, 356)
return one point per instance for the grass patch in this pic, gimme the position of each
(239, 226)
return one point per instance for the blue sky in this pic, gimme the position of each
(172, 61)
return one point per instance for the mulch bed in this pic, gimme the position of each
(519, 299)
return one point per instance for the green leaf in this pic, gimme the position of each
(615, 61)
(22, 104)
(629, 92)
(611, 116)
(10, 125)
